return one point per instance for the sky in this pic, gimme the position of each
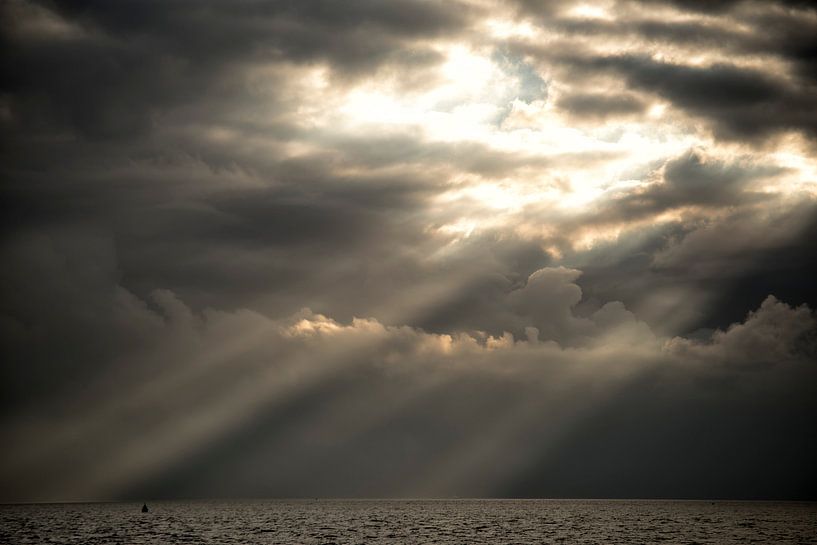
(408, 248)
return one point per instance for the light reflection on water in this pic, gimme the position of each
(411, 521)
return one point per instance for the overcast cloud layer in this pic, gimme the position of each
(408, 248)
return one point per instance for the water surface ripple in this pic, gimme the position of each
(411, 522)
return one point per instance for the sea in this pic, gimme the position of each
(411, 522)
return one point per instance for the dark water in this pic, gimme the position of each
(378, 521)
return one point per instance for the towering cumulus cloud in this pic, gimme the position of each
(408, 248)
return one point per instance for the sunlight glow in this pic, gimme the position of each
(476, 99)
(589, 11)
(505, 28)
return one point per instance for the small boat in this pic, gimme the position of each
(144, 508)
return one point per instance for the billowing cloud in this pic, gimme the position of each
(199, 387)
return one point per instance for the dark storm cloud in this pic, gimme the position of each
(719, 417)
(701, 228)
(130, 62)
(653, 30)
(355, 37)
(724, 265)
(689, 180)
(693, 184)
(458, 404)
(236, 241)
(600, 106)
(741, 103)
(787, 35)
(721, 6)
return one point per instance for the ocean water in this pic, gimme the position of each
(411, 521)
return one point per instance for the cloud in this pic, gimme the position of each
(302, 391)
(741, 103)
(707, 64)
(600, 106)
(528, 235)
(775, 334)
(691, 180)
(720, 6)
(133, 64)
